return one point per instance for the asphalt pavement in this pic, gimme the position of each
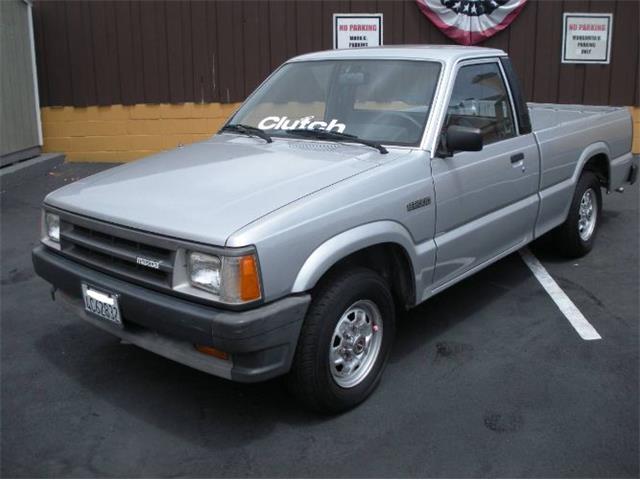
(487, 379)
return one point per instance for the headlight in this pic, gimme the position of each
(204, 271)
(232, 280)
(52, 225)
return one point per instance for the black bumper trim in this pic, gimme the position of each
(261, 341)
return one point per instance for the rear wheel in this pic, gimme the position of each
(345, 341)
(575, 237)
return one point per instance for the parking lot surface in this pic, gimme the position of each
(487, 379)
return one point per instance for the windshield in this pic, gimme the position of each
(386, 101)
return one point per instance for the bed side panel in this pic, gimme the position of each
(566, 147)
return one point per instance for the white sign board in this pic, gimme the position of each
(586, 37)
(354, 30)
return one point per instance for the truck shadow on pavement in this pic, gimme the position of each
(200, 408)
(430, 321)
(545, 247)
(212, 412)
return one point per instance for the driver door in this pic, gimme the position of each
(486, 201)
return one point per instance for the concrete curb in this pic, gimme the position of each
(36, 166)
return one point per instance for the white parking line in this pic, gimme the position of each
(564, 303)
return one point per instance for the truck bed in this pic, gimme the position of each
(567, 136)
(551, 115)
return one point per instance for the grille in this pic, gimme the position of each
(116, 255)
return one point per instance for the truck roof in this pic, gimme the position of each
(444, 53)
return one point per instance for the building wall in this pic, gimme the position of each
(119, 133)
(127, 54)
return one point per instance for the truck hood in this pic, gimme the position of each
(206, 191)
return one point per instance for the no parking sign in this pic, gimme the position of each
(354, 30)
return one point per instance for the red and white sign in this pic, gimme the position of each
(471, 21)
(355, 30)
(586, 37)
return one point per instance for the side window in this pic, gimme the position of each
(480, 99)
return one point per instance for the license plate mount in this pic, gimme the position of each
(102, 304)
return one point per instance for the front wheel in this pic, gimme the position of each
(345, 341)
(575, 237)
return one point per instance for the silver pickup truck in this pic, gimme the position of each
(352, 184)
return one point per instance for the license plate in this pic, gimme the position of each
(102, 304)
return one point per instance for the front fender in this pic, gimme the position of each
(348, 242)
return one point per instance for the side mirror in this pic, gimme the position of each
(460, 139)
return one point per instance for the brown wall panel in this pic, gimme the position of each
(330, 7)
(522, 48)
(212, 87)
(235, 44)
(153, 47)
(56, 52)
(356, 6)
(281, 37)
(309, 28)
(225, 54)
(102, 52)
(176, 51)
(499, 40)
(137, 52)
(187, 50)
(571, 79)
(202, 79)
(41, 60)
(230, 41)
(83, 80)
(624, 54)
(413, 21)
(130, 84)
(393, 14)
(596, 79)
(256, 44)
(103, 22)
(547, 55)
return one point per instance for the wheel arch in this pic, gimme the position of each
(385, 246)
(595, 158)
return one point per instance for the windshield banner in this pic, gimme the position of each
(307, 123)
(471, 21)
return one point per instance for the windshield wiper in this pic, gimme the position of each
(324, 135)
(247, 130)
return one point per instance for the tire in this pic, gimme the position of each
(573, 239)
(338, 301)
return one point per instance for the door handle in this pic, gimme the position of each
(517, 160)
(518, 157)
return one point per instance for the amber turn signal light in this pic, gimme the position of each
(214, 352)
(249, 280)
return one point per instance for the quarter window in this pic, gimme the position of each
(479, 99)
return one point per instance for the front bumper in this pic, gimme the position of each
(261, 342)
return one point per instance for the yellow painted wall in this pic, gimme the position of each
(121, 133)
(635, 112)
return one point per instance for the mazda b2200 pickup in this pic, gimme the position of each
(352, 184)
